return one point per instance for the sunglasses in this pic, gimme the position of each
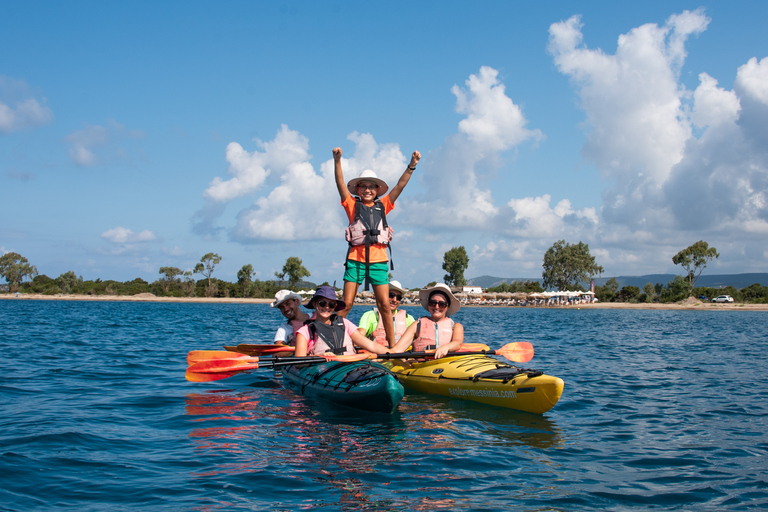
(393, 295)
(369, 186)
(327, 304)
(438, 303)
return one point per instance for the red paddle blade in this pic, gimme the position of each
(259, 350)
(223, 365)
(519, 352)
(196, 356)
(207, 377)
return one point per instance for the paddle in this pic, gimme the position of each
(253, 349)
(518, 352)
(222, 368)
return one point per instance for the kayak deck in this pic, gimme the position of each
(364, 385)
(483, 379)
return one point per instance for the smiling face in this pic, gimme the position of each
(325, 308)
(289, 308)
(395, 298)
(367, 190)
(438, 306)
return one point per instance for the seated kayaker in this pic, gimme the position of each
(437, 331)
(371, 324)
(329, 333)
(290, 306)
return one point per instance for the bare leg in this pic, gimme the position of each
(350, 290)
(381, 292)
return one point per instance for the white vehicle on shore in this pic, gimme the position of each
(723, 298)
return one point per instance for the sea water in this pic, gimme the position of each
(662, 410)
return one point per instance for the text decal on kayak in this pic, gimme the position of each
(437, 371)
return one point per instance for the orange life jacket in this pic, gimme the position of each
(430, 334)
(369, 227)
(380, 335)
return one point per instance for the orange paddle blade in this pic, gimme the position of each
(473, 347)
(207, 377)
(351, 357)
(519, 352)
(196, 356)
(223, 365)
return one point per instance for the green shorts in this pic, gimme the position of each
(378, 273)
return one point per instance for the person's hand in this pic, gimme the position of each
(415, 157)
(441, 352)
(337, 154)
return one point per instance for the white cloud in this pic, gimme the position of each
(94, 141)
(18, 109)
(533, 217)
(121, 235)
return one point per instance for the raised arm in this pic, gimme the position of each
(403, 181)
(343, 192)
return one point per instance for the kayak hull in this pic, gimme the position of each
(363, 385)
(480, 378)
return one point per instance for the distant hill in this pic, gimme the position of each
(738, 281)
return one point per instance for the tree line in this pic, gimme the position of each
(565, 267)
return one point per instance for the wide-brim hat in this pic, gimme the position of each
(284, 295)
(395, 285)
(326, 292)
(367, 175)
(425, 293)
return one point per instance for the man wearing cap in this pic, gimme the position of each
(369, 234)
(290, 306)
(371, 324)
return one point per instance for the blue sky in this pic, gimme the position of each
(138, 135)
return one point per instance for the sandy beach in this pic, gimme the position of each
(688, 304)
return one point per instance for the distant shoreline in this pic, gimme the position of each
(688, 304)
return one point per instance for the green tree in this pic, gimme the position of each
(206, 266)
(694, 260)
(294, 270)
(455, 262)
(68, 282)
(245, 278)
(14, 268)
(169, 277)
(650, 292)
(567, 265)
(188, 285)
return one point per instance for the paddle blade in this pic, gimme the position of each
(208, 377)
(223, 365)
(473, 347)
(519, 352)
(259, 350)
(351, 357)
(196, 356)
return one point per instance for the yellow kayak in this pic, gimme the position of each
(480, 378)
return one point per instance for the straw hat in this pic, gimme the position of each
(367, 175)
(454, 304)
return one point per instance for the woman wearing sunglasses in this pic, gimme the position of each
(368, 234)
(437, 331)
(328, 333)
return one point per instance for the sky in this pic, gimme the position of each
(138, 135)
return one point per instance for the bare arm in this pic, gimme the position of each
(301, 346)
(403, 181)
(364, 343)
(406, 340)
(343, 192)
(456, 341)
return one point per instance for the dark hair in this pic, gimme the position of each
(441, 292)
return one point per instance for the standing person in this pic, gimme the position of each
(329, 333)
(290, 306)
(369, 234)
(436, 331)
(371, 324)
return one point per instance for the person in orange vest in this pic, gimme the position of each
(371, 323)
(437, 331)
(369, 234)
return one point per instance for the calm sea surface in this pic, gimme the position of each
(662, 410)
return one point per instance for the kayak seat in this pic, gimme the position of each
(505, 374)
